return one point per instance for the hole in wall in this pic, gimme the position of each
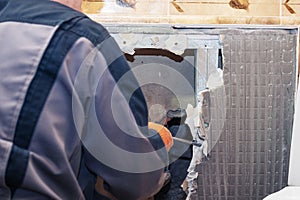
(220, 59)
(162, 65)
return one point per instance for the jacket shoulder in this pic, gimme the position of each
(92, 30)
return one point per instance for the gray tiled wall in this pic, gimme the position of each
(250, 159)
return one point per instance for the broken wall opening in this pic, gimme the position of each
(244, 90)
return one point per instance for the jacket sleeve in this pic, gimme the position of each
(119, 146)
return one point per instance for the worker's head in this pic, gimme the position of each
(157, 113)
(176, 117)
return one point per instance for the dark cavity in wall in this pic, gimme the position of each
(165, 92)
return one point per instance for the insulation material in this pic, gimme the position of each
(250, 158)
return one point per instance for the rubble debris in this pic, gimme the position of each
(206, 100)
(199, 153)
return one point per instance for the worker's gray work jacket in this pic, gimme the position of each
(65, 85)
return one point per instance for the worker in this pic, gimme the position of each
(73, 119)
(180, 155)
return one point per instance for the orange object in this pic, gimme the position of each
(164, 133)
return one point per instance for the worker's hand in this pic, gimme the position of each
(102, 192)
(164, 133)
